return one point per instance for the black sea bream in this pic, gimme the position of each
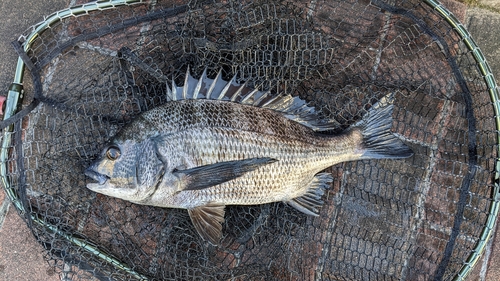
(218, 143)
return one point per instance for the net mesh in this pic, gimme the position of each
(414, 219)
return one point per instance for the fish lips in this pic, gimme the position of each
(100, 178)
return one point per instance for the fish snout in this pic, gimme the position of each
(100, 178)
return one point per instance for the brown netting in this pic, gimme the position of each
(414, 219)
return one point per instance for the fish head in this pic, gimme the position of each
(127, 170)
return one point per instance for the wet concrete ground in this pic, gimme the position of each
(21, 257)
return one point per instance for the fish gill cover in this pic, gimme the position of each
(92, 71)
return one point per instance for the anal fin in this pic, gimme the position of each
(311, 200)
(208, 221)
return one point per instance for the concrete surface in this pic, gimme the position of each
(484, 28)
(495, 4)
(21, 257)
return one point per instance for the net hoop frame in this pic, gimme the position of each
(16, 94)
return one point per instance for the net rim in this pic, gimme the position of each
(494, 96)
(15, 97)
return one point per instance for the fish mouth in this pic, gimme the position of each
(100, 178)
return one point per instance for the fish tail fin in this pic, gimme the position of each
(378, 140)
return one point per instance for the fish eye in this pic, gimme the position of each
(113, 153)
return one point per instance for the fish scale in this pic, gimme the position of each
(222, 144)
(218, 143)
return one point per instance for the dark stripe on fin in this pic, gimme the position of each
(208, 222)
(378, 140)
(214, 174)
(293, 108)
(310, 202)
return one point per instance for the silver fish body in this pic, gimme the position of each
(204, 153)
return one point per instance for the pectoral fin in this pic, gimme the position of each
(208, 222)
(214, 174)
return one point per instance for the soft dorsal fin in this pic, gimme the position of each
(293, 108)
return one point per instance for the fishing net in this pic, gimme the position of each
(92, 68)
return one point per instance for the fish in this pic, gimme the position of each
(216, 143)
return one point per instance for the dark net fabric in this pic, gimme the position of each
(413, 219)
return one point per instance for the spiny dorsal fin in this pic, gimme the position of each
(199, 85)
(250, 96)
(216, 87)
(174, 90)
(208, 221)
(293, 108)
(239, 92)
